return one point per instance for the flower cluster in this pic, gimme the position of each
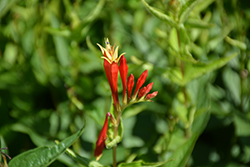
(112, 64)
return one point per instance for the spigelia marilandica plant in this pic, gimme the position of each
(112, 64)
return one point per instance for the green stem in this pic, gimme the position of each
(118, 116)
(114, 156)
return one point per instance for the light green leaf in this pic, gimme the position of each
(60, 42)
(5, 6)
(174, 74)
(213, 43)
(58, 32)
(236, 43)
(195, 70)
(10, 54)
(81, 30)
(43, 156)
(187, 9)
(197, 23)
(173, 40)
(233, 83)
(160, 15)
(202, 6)
(113, 143)
(94, 13)
(132, 111)
(142, 163)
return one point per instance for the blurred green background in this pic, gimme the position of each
(52, 80)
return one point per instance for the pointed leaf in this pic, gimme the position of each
(142, 163)
(82, 160)
(195, 70)
(187, 9)
(197, 23)
(202, 6)
(183, 153)
(160, 15)
(213, 43)
(242, 124)
(236, 43)
(60, 42)
(43, 156)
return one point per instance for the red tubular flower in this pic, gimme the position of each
(111, 71)
(145, 90)
(100, 143)
(151, 95)
(123, 69)
(130, 85)
(140, 82)
(111, 60)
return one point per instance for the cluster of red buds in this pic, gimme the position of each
(112, 64)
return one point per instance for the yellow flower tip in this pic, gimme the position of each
(108, 46)
(110, 53)
(100, 46)
(98, 157)
(106, 59)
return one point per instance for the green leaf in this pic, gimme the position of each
(132, 111)
(202, 6)
(195, 70)
(10, 54)
(233, 83)
(186, 9)
(60, 42)
(142, 163)
(43, 156)
(182, 154)
(113, 143)
(94, 13)
(242, 124)
(5, 6)
(3, 145)
(37, 139)
(197, 23)
(173, 40)
(236, 43)
(82, 160)
(213, 43)
(160, 15)
(80, 31)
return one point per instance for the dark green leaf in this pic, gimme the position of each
(182, 154)
(43, 156)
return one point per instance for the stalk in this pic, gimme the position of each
(118, 116)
